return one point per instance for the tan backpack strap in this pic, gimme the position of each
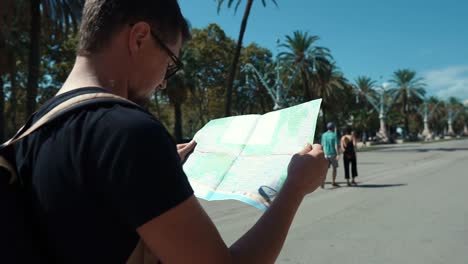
(64, 106)
(57, 110)
(6, 165)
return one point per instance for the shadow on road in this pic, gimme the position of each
(380, 185)
(366, 185)
(425, 150)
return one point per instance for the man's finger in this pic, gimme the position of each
(307, 148)
(181, 146)
(187, 150)
(187, 147)
(317, 147)
(191, 144)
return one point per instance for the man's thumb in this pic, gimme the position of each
(306, 149)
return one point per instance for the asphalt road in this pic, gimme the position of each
(411, 206)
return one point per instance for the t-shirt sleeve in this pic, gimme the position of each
(139, 169)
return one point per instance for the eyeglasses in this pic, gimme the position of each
(176, 65)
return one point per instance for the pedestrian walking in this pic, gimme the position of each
(348, 146)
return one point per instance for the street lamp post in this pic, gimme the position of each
(279, 90)
(382, 106)
(465, 111)
(426, 114)
(451, 116)
(450, 122)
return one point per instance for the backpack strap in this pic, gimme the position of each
(65, 107)
(7, 166)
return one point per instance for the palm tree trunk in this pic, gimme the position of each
(34, 57)
(307, 92)
(13, 90)
(199, 103)
(2, 110)
(235, 61)
(405, 113)
(178, 122)
(324, 120)
(262, 104)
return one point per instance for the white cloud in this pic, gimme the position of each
(447, 82)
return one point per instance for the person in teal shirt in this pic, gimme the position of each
(331, 150)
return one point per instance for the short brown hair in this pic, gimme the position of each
(102, 18)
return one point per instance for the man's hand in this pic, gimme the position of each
(187, 226)
(307, 169)
(185, 150)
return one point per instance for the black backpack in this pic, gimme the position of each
(18, 241)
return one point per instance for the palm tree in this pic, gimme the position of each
(178, 89)
(3, 63)
(2, 111)
(455, 113)
(465, 120)
(57, 16)
(235, 61)
(329, 84)
(410, 88)
(308, 59)
(329, 81)
(11, 23)
(365, 85)
(439, 113)
(177, 93)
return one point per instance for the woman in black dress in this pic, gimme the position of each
(348, 144)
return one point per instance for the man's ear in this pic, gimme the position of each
(139, 34)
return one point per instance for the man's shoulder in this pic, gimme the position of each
(125, 116)
(131, 123)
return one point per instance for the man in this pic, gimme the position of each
(106, 177)
(330, 148)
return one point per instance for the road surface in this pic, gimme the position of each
(411, 207)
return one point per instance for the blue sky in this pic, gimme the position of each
(366, 37)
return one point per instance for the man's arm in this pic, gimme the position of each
(185, 234)
(337, 148)
(342, 143)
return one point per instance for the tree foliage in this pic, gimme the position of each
(197, 94)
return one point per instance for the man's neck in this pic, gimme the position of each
(96, 71)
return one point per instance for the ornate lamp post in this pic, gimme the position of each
(465, 126)
(452, 115)
(382, 105)
(279, 90)
(426, 114)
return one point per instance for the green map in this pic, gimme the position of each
(236, 156)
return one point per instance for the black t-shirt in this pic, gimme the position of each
(96, 175)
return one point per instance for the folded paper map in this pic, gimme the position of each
(246, 157)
